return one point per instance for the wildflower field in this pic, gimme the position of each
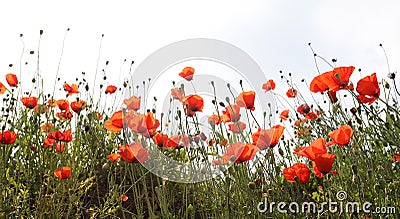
(329, 138)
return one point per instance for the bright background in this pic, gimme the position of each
(274, 33)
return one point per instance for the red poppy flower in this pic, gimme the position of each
(7, 137)
(324, 162)
(113, 157)
(299, 170)
(396, 157)
(144, 124)
(33, 148)
(123, 198)
(237, 127)
(73, 89)
(60, 148)
(193, 103)
(29, 102)
(51, 103)
(335, 80)
(223, 142)
(41, 108)
(65, 115)
(268, 137)
(178, 93)
(300, 122)
(12, 80)
(311, 116)
(96, 115)
(303, 108)
(342, 135)
(368, 89)
(215, 118)
(63, 104)
(231, 113)
(284, 115)
(316, 171)
(238, 152)
(187, 73)
(317, 146)
(115, 123)
(46, 127)
(134, 152)
(67, 136)
(61, 136)
(57, 135)
(78, 106)
(303, 131)
(291, 93)
(160, 139)
(269, 85)
(63, 173)
(246, 100)
(177, 142)
(111, 89)
(49, 142)
(132, 103)
(152, 125)
(2, 88)
(137, 122)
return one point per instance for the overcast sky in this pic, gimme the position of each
(274, 33)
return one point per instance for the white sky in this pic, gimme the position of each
(274, 33)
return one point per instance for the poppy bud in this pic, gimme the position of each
(196, 139)
(386, 85)
(354, 168)
(353, 110)
(392, 75)
(387, 125)
(369, 171)
(355, 179)
(280, 151)
(252, 185)
(381, 183)
(105, 167)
